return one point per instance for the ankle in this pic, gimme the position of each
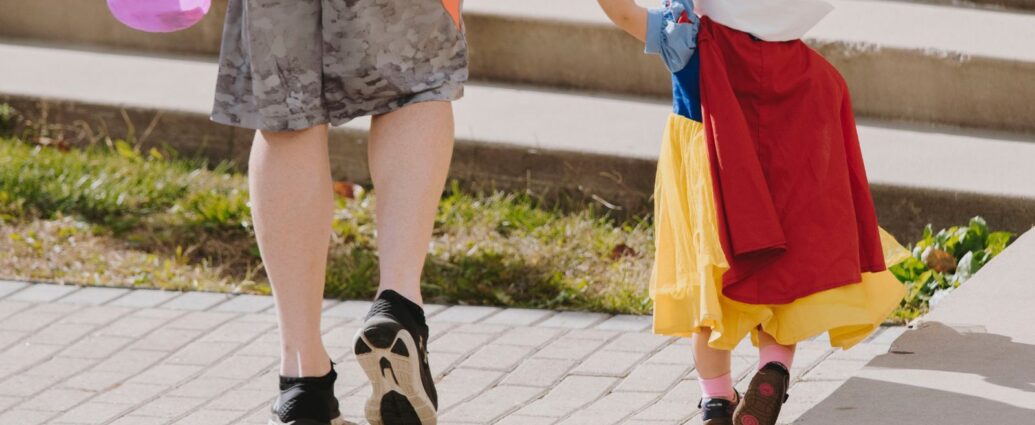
(304, 364)
(775, 353)
(720, 387)
(410, 292)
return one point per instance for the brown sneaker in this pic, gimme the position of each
(718, 411)
(764, 397)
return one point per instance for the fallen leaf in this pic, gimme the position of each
(345, 190)
(622, 250)
(940, 261)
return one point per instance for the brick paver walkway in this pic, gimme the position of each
(72, 355)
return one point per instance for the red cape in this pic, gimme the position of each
(795, 212)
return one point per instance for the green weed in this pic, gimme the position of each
(151, 219)
(943, 261)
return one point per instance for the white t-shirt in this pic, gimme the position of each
(769, 20)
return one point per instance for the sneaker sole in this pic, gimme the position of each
(387, 354)
(760, 407)
(336, 421)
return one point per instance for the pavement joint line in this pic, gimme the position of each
(542, 319)
(159, 305)
(16, 341)
(81, 286)
(264, 406)
(272, 309)
(93, 362)
(813, 366)
(195, 375)
(463, 358)
(328, 303)
(542, 393)
(495, 382)
(38, 284)
(493, 336)
(225, 299)
(130, 291)
(874, 335)
(481, 319)
(184, 293)
(436, 312)
(439, 333)
(660, 396)
(30, 335)
(16, 290)
(610, 389)
(133, 407)
(654, 401)
(259, 374)
(233, 296)
(568, 373)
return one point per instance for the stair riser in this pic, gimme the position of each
(565, 178)
(1020, 5)
(910, 85)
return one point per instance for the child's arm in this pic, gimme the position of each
(669, 31)
(627, 15)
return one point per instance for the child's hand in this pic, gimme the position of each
(672, 33)
(627, 15)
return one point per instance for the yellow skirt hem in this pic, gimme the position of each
(825, 312)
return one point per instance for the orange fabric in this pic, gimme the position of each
(453, 7)
(794, 207)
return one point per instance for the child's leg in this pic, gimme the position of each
(713, 368)
(771, 351)
(289, 180)
(767, 391)
(409, 153)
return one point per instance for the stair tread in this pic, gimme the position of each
(905, 25)
(956, 161)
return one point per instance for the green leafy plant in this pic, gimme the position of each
(943, 261)
(8, 119)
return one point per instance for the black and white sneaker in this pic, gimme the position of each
(391, 347)
(307, 401)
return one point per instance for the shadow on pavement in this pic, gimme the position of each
(938, 374)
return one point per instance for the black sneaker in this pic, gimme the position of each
(307, 401)
(391, 347)
(718, 411)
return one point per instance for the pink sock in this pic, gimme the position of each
(721, 387)
(776, 353)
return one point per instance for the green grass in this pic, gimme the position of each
(178, 218)
(110, 214)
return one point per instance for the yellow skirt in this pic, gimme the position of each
(686, 284)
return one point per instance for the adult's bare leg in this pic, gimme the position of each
(289, 179)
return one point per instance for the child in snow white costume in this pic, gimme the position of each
(763, 216)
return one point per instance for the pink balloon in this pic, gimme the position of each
(159, 15)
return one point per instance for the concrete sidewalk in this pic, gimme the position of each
(72, 355)
(970, 361)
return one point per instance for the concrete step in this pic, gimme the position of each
(558, 144)
(967, 361)
(904, 61)
(1004, 5)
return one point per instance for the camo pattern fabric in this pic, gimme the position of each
(293, 64)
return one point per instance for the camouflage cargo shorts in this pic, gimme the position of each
(293, 64)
